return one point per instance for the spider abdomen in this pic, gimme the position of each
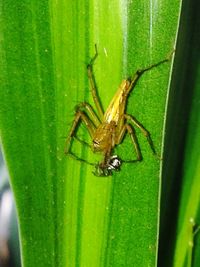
(104, 137)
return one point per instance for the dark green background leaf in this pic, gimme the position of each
(181, 187)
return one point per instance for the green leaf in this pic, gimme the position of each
(188, 219)
(187, 238)
(179, 240)
(67, 216)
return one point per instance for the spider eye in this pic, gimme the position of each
(95, 142)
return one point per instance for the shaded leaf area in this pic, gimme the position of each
(180, 201)
(69, 217)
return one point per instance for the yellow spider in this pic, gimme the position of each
(108, 129)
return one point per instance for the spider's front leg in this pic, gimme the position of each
(80, 116)
(137, 75)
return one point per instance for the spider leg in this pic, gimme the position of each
(82, 141)
(95, 120)
(87, 107)
(79, 116)
(127, 128)
(79, 140)
(71, 154)
(143, 130)
(140, 72)
(93, 85)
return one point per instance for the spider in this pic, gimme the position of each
(108, 129)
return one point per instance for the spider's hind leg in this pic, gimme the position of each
(143, 130)
(127, 128)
